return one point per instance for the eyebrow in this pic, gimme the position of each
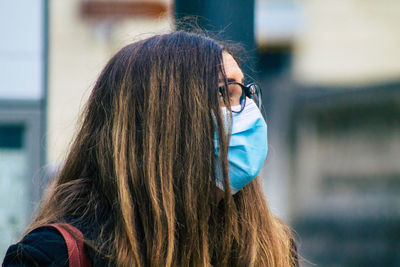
(233, 80)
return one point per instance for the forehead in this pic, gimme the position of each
(231, 67)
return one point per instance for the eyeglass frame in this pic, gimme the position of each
(246, 92)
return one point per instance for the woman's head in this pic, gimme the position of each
(142, 165)
(162, 94)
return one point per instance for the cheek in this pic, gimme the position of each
(235, 101)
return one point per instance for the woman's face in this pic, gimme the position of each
(233, 74)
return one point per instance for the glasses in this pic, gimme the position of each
(252, 91)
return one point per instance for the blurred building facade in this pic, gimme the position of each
(23, 60)
(330, 75)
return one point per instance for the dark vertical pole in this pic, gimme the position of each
(232, 20)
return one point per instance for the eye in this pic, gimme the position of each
(235, 92)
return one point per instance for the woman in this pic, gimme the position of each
(161, 171)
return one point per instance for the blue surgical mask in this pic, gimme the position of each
(248, 146)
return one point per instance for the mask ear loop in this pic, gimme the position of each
(225, 128)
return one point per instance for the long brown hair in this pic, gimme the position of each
(140, 173)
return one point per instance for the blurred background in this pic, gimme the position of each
(330, 74)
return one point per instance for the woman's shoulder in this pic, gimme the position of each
(44, 246)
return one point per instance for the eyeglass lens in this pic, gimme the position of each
(255, 94)
(251, 91)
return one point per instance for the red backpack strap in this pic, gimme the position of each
(76, 253)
